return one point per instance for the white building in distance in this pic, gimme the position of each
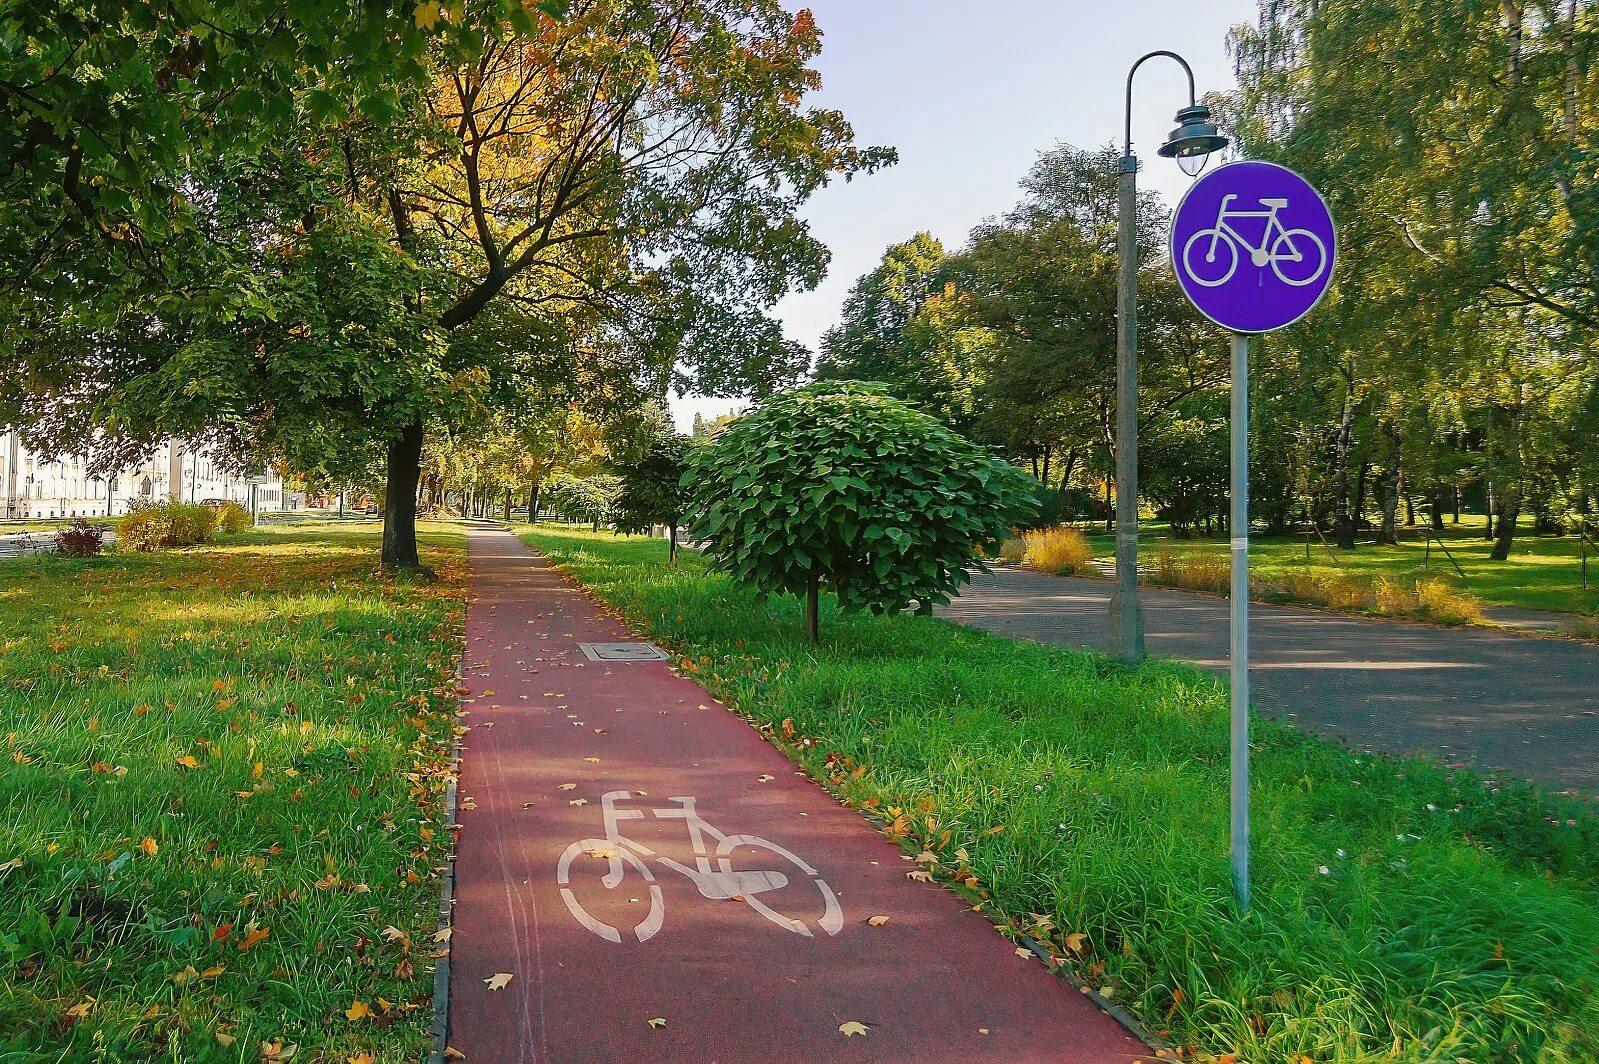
(31, 488)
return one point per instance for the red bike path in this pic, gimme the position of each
(550, 734)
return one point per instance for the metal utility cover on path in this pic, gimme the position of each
(623, 652)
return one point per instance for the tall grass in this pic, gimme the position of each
(221, 783)
(1401, 912)
(1061, 550)
(1424, 597)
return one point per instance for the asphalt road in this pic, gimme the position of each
(1512, 703)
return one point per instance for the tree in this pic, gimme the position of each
(653, 492)
(592, 498)
(906, 325)
(845, 485)
(619, 185)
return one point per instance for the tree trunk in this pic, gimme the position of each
(1343, 520)
(1410, 510)
(532, 501)
(1454, 514)
(1361, 480)
(1437, 511)
(1389, 532)
(671, 544)
(507, 506)
(399, 498)
(813, 600)
(1505, 522)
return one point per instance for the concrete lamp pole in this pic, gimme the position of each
(1193, 140)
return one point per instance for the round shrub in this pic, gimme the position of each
(164, 525)
(80, 539)
(232, 518)
(840, 484)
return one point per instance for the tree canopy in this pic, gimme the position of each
(844, 485)
(486, 199)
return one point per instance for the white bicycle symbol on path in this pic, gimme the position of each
(1296, 256)
(717, 884)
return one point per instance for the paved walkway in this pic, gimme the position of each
(1517, 703)
(752, 946)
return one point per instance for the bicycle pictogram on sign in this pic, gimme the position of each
(1296, 256)
(595, 865)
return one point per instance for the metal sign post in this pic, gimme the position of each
(1238, 661)
(1253, 247)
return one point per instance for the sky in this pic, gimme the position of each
(970, 94)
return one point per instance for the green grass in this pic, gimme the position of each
(1456, 919)
(1542, 573)
(315, 697)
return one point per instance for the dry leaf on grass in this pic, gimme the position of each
(359, 1010)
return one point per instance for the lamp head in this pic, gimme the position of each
(1194, 139)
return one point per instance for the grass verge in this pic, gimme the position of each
(220, 799)
(1401, 912)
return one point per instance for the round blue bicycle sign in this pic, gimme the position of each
(1253, 246)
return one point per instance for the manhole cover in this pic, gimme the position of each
(623, 652)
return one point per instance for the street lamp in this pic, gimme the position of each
(1191, 143)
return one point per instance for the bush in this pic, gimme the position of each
(1437, 601)
(1196, 572)
(232, 518)
(79, 539)
(1059, 550)
(842, 484)
(164, 525)
(1013, 550)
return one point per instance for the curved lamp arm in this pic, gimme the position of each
(1127, 140)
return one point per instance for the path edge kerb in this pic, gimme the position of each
(441, 971)
(1117, 1012)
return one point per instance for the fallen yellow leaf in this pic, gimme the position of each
(851, 1028)
(225, 1039)
(149, 846)
(877, 921)
(362, 1057)
(568, 787)
(358, 1010)
(253, 939)
(499, 981)
(656, 1022)
(188, 761)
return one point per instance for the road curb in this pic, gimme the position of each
(441, 971)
